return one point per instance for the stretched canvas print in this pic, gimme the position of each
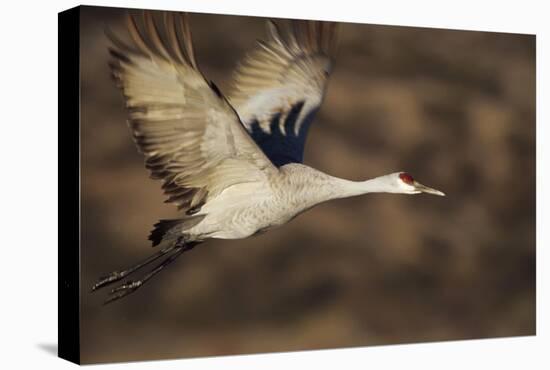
(237, 185)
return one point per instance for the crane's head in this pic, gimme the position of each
(406, 184)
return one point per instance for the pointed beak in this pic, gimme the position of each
(425, 189)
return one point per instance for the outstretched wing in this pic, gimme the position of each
(279, 87)
(191, 137)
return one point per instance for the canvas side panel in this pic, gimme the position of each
(69, 185)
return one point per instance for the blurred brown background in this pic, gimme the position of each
(456, 109)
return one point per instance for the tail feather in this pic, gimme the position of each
(172, 229)
(161, 228)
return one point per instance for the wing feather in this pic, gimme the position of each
(191, 137)
(282, 76)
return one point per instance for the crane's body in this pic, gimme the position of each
(249, 208)
(233, 166)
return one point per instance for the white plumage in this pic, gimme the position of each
(233, 166)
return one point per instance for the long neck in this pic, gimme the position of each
(341, 188)
(303, 187)
(310, 186)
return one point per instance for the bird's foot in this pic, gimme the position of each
(123, 290)
(108, 279)
(132, 285)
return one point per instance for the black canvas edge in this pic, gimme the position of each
(69, 185)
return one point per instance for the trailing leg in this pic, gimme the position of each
(118, 275)
(131, 286)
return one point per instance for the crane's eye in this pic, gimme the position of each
(406, 178)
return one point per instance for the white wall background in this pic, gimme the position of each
(28, 196)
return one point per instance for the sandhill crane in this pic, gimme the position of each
(233, 166)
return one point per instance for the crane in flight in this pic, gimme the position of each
(232, 165)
